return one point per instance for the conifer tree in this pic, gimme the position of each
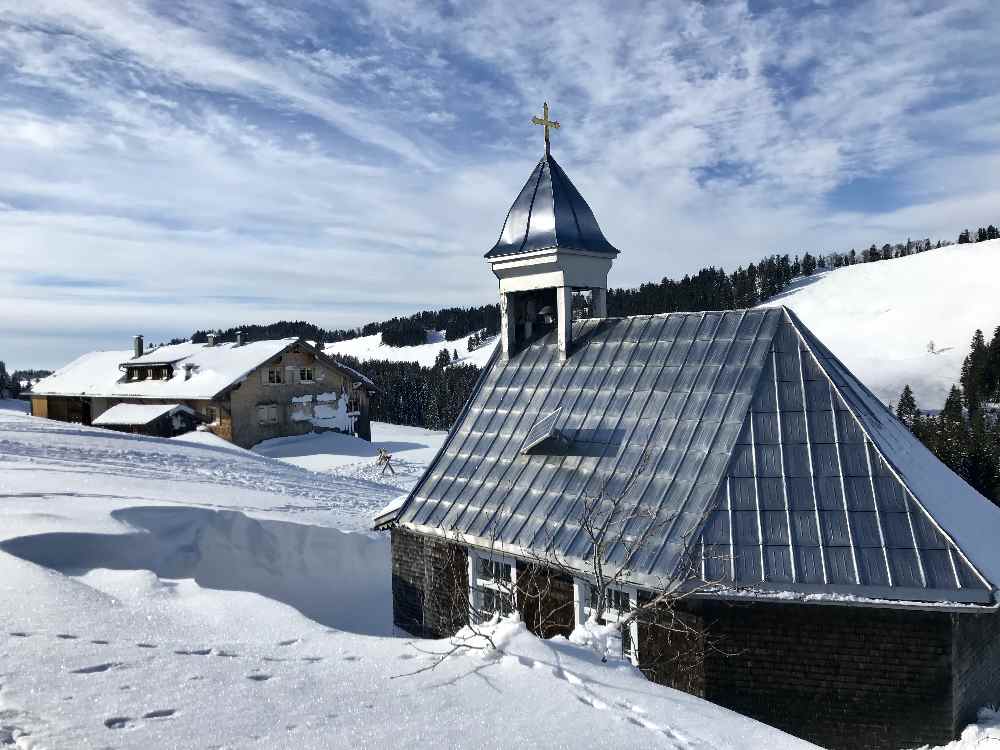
(906, 409)
(952, 438)
(974, 372)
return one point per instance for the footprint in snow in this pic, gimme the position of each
(259, 677)
(598, 704)
(352, 658)
(193, 651)
(96, 668)
(19, 634)
(146, 645)
(228, 654)
(100, 643)
(289, 642)
(117, 722)
(312, 659)
(571, 678)
(161, 713)
(67, 636)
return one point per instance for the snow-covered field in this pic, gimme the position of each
(411, 448)
(371, 347)
(188, 594)
(879, 318)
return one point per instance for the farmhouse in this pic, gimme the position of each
(244, 392)
(841, 583)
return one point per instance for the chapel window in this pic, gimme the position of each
(618, 602)
(492, 583)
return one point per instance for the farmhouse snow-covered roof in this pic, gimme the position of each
(200, 371)
(549, 212)
(138, 414)
(765, 463)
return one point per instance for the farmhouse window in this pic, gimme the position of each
(211, 414)
(267, 413)
(492, 583)
(274, 376)
(306, 375)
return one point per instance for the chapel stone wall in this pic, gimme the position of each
(429, 585)
(976, 665)
(843, 677)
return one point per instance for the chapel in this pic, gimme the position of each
(837, 580)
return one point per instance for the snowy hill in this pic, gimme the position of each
(879, 318)
(371, 347)
(179, 593)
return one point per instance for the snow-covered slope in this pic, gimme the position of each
(167, 593)
(410, 448)
(879, 318)
(371, 347)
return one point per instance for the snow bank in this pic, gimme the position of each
(337, 579)
(878, 318)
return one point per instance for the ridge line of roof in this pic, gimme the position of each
(566, 188)
(797, 325)
(531, 206)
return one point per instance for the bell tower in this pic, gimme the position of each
(549, 247)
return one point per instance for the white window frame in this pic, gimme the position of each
(481, 587)
(312, 375)
(212, 414)
(582, 610)
(271, 373)
(267, 414)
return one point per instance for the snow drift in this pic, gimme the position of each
(338, 579)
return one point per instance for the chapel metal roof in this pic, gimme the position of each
(766, 464)
(549, 212)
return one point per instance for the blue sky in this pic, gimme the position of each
(173, 165)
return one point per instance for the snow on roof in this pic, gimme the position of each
(138, 414)
(773, 466)
(212, 370)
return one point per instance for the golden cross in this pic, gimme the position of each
(545, 122)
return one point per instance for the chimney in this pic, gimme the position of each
(211, 339)
(239, 338)
(137, 347)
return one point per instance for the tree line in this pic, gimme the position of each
(982, 234)
(412, 394)
(18, 382)
(457, 322)
(965, 434)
